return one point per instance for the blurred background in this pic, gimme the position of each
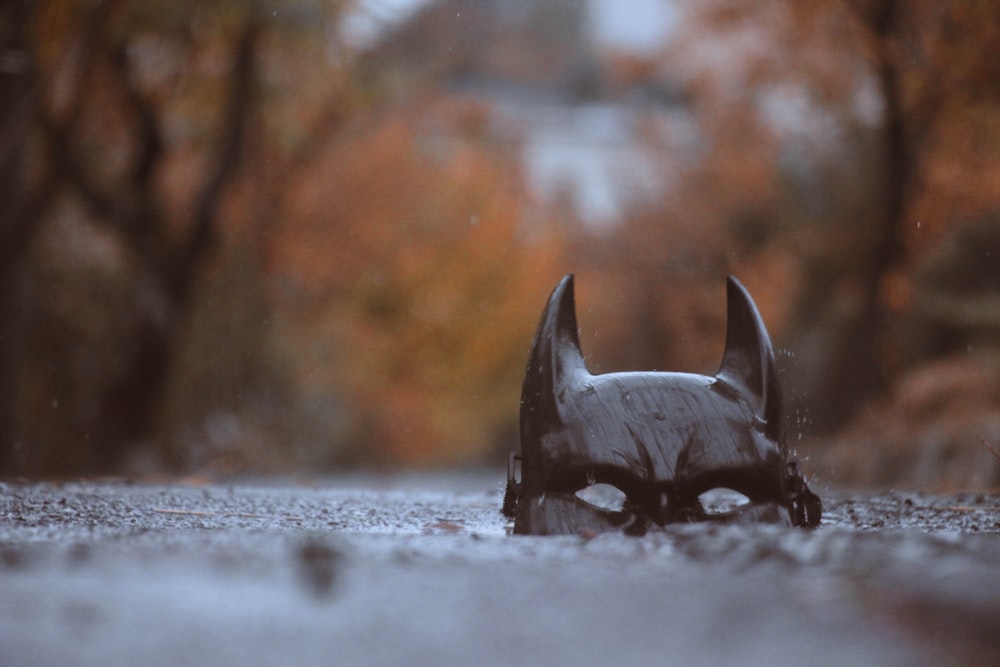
(242, 237)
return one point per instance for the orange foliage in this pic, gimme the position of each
(420, 276)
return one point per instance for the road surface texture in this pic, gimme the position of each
(414, 570)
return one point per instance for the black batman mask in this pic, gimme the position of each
(662, 439)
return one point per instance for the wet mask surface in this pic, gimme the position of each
(662, 439)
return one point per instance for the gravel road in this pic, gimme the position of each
(420, 570)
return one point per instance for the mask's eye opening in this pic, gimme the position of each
(604, 496)
(722, 501)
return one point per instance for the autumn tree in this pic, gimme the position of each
(828, 130)
(123, 126)
(928, 64)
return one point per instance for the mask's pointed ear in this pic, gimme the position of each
(748, 362)
(555, 357)
(555, 351)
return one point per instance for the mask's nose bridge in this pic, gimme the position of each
(670, 505)
(659, 506)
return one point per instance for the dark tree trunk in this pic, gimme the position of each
(850, 345)
(129, 209)
(18, 212)
(868, 372)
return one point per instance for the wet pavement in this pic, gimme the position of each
(420, 570)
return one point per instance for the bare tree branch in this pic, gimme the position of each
(150, 137)
(235, 119)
